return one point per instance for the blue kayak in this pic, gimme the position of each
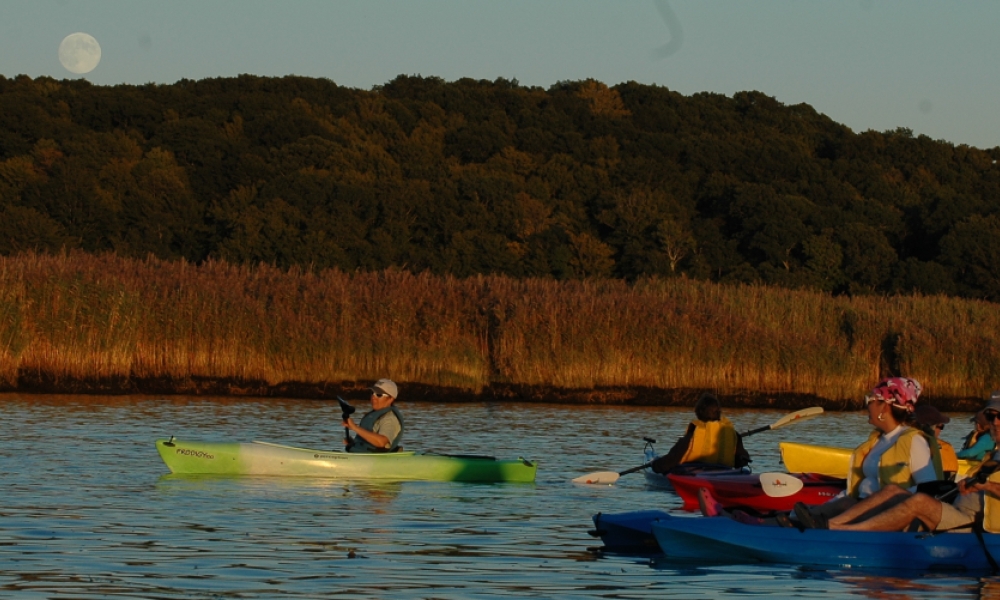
(628, 532)
(722, 539)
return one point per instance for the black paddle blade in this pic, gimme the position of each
(346, 408)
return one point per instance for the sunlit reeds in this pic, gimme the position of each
(79, 317)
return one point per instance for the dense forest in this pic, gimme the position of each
(577, 181)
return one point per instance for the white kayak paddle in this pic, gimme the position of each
(610, 477)
(607, 477)
(780, 485)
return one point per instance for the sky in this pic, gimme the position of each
(931, 66)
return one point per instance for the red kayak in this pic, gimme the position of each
(777, 491)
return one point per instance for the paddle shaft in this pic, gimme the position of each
(758, 430)
(634, 469)
(346, 411)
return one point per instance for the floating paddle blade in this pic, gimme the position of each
(599, 478)
(780, 485)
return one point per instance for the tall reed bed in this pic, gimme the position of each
(92, 318)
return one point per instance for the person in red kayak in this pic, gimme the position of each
(895, 509)
(710, 438)
(380, 429)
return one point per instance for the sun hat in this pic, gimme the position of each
(925, 414)
(385, 386)
(900, 391)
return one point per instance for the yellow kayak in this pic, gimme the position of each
(833, 461)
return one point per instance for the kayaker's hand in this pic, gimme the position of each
(967, 486)
(350, 425)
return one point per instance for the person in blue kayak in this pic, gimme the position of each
(710, 438)
(896, 509)
(894, 453)
(381, 429)
(979, 443)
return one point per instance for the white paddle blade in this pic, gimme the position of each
(798, 416)
(599, 478)
(780, 485)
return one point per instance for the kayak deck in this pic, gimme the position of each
(264, 458)
(746, 491)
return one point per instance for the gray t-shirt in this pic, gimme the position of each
(388, 425)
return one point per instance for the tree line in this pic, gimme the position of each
(577, 181)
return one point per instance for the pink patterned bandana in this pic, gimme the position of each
(900, 391)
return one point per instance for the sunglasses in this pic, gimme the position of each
(939, 427)
(990, 415)
(380, 395)
(869, 399)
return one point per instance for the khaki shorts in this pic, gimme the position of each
(960, 514)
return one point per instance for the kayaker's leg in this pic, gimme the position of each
(825, 511)
(899, 517)
(868, 507)
(834, 507)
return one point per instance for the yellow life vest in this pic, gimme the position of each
(894, 464)
(712, 442)
(949, 460)
(991, 509)
(991, 504)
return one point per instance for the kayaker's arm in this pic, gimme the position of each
(742, 458)
(673, 458)
(375, 439)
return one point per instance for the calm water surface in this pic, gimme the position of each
(87, 509)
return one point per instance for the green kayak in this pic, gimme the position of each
(263, 458)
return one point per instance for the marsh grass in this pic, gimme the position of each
(90, 318)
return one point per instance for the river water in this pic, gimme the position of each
(88, 510)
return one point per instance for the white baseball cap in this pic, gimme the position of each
(385, 386)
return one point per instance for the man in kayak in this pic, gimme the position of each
(380, 429)
(895, 509)
(710, 438)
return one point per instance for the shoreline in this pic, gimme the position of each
(419, 392)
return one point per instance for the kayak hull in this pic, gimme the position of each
(722, 538)
(745, 491)
(628, 532)
(833, 461)
(262, 458)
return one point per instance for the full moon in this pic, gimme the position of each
(79, 53)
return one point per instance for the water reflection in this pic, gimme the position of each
(89, 510)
